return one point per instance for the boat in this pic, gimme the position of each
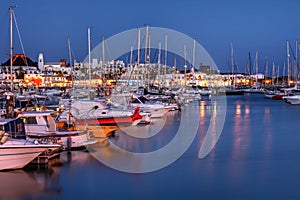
(294, 100)
(110, 120)
(204, 91)
(156, 110)
(233, 91)
(15, 152)
(40, 125)
(254, 89)
(105, 126)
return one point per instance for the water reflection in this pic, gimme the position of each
(19, 184)
(268, 131)
(32, 182)
(241, 133)
(216, 123)
(129, 154)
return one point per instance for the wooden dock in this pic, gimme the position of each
(44, 159)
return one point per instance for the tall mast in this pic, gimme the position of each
(174, 68)
(278, 73)
(232, 65)
(131, 54)
(89, 65)
(273, 74)
(296, 65)
(166, 53)
(149, 66)
(71, 64)
(146, 47)
(103, 60)
(266, 68)
(184, 52)
(288, 61)
(256, 68)
(232, 59)
(11, 48)
(250, 64)
(158, 62)
(194, 52)
(146, 56)
(283, 72)
(138, 56)
(70, 55)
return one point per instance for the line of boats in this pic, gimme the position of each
(41, 126)
(47, 124)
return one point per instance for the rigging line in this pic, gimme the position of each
(107, 50)
(73, 55)
(20, 39)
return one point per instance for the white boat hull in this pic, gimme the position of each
(17, 158)
(295, 100)
(16, 154)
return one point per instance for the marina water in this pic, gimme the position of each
(256, 157)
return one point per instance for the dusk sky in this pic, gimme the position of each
(257, 25)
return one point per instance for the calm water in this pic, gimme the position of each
(256, 157)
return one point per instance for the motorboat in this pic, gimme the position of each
(16, 152)
(41, 125)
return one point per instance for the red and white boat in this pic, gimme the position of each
(111, 120)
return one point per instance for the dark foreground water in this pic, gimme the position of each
(256, 157)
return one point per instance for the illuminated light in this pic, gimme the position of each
(247, 110)
(238, 110)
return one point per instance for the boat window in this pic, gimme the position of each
(143, 99)
(20, 127)
(135, 101)
(30, 120)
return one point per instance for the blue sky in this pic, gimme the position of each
(257, 25)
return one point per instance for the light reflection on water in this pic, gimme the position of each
(256, 157)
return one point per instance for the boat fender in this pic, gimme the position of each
(4, 138)
(49, 152)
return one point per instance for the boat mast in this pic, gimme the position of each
(138, 56)
(283, 72)
(277, 77)
(173, 77)
(194, 51)
(256, 68)
(71, 64)
(232, 64)
(266, 69)
(184, 52)
(166, 53)
(288, 61)
(11, 48)
(158, 62)
(103, 60)
(149, 65)
(273, 74)
(296, 65)
(145, 71)
(89, 64)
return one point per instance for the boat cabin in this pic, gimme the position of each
(14, 127)
(38, 122)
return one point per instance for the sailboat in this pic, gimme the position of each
(15, 151)
(232, 90)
